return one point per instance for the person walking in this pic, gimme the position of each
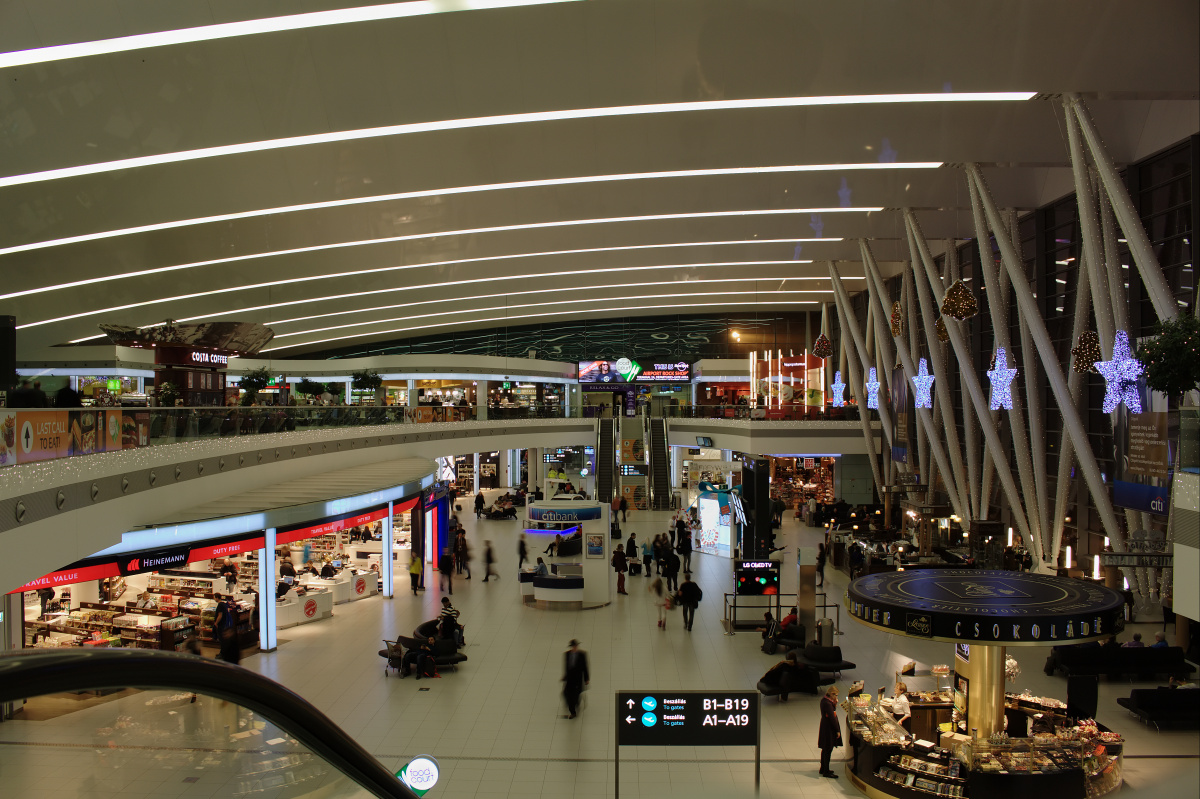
(647, 557)
(479, 503)
(623, 506)
(225, 629)
(671, 571)
(684, 548)
(659, 545)
(489, 558)
(681, 527)
(661, 598)
(522, 552)
(619, 563)
(414, 571)
(446, 567)
(460, 545)
(615, 507)
(575, 677)
(631, 547)
(830, 733)
(820, 565)
(689, 597)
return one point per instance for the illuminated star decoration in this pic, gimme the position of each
(1120, 377)
(1001, 377)
(922, 383)
(837, 389)
(872, 389)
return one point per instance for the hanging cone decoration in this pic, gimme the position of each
(939, 327)
(821, 347)
(897, 320)
(959, 303)
(1085, 354)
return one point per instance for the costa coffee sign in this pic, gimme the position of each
(186, 356)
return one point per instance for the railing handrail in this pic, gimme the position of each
(33, 673)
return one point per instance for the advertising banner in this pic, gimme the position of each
(135, 429)
(331, 526)
(901, 416)
(1143, 444)
(8, 438)
(627, 370)
(633, 450)
(41, 435)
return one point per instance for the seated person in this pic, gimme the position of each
(1160, 641)
(1135, 643)
(781, 676)
(448, 624)
(770, 632)
(791, 618)
(541, 570)
(553, 548)
(327, 571)
(415, 658)
(309, 568)
(286, 569)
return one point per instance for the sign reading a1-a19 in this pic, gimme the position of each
(687, 718)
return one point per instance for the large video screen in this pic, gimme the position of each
(624, 371)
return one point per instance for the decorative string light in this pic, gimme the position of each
(939, 328)
(1001, 377)
(1085, 354)
(822, 348)
(1120, 377)
(897, 320)
(959, 303)
(837, 388)
(922, 384)
(872, 389)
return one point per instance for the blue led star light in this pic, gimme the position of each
(872, 389)
(1120, 377)
(1001, 377)
(922, 384)
(837, 389)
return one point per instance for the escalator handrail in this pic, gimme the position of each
(32, 673)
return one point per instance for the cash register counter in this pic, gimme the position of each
(560, 590)
(345, 587)
(316, 604)
(1071, 763)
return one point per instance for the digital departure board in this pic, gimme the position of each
(687, 718)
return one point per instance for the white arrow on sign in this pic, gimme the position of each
(630, 703)
(630, 719)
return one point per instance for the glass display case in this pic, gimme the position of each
(872, 723)
(1040, 755)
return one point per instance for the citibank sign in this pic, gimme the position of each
(564, 514)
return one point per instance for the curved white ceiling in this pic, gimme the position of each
(353, 179)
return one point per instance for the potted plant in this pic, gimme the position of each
(253, 382)
(168, 394)
(365, 380)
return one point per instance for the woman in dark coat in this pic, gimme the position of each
(830, 734)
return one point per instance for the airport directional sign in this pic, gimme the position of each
(687, 718)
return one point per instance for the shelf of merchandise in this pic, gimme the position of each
(111, 588)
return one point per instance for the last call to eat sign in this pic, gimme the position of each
(687, 718)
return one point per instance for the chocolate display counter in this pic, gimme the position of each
(994, 744)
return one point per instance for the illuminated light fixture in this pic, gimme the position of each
(1086, 352)
(450, 192)
(1010, 536)
(1106, 542)
(252, 27)
(1126, 581)
(959, 303)
(1001, 378)
(737, 335)
(1067, 557)
(922, 383)
(289, 281)
(1120, 377)
(536, 305)
(364, 242)
(872, 384)
(837, 389)
(527, 316)
(1096, 575)
(509, 119)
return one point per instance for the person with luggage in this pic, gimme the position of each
(689, 597)
(619, 563)
(420, 659)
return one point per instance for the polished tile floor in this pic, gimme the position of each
(496, 724)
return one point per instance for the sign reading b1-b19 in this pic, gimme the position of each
(687, 718)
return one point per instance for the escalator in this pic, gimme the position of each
(159, 719)
(660, 466)
(606, 460)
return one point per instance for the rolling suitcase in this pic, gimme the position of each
(635, 567)
(825, 632)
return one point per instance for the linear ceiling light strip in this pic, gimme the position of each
(434, 235)
(252, 27)
(575, 301)
(621, 308)
(213, 292)
(503, 119)
(488, 187)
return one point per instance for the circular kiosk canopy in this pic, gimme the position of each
(986, 607)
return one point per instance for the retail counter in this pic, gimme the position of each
(1073, 763)
(294, 610)
(346, 587)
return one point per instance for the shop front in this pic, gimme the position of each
(975, 738)
(625, 386)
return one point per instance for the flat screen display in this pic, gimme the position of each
(624, 371)
(703, 441)
(756, 578)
